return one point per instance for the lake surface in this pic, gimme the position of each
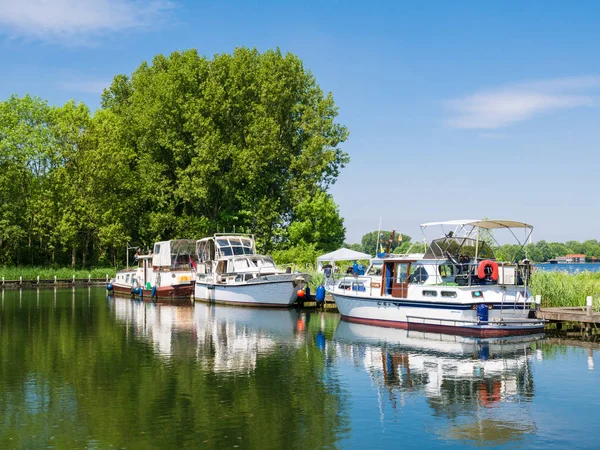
(80, 370)
(569, 268)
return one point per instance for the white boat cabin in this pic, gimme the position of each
(173, 255)
(232, 254)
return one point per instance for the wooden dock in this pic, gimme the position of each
(580, 314)
(56, 282)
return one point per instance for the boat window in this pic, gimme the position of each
(419, 276)
(446, 270)
(401, 272)
(127, 278)
(226, 251)
(241, 264)
(237, 250)
(222, 267)
(268, 262)
(449, 294)
(156, 249)
(352, 286)
(375, 269)
(429, 293)
(180, 262)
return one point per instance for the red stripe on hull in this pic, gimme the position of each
(165, 294)
(121, 290)
(499, 331)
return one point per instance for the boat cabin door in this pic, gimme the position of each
(396, 276)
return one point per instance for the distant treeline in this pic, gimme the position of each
(539, 252)
(184, 147)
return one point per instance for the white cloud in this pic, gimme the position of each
(503, 106)
(75, 22)
(86, 86)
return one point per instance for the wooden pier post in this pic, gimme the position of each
(589, 299)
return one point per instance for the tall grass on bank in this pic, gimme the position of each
(48, 273)
(565, 289)
(316, 279)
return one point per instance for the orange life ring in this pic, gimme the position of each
(484, 265)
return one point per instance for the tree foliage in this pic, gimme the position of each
(184, 147)
(246, 140)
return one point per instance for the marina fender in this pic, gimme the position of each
(483, 265)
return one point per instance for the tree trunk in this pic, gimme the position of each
(84, 254)
(73, 254)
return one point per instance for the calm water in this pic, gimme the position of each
(569, 268)
(80, 370)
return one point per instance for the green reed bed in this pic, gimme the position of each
(316, 279)
(565, 289)
(48, 273)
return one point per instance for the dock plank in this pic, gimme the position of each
(569, 314)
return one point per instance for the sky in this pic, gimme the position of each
(456, 110)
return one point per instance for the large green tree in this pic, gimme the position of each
(243, 140)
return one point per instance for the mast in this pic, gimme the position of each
(378, 236)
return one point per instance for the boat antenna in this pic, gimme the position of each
(378, 237)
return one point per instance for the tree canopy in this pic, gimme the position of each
(184, 147)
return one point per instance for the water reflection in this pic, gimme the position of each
(236, 336)
(223, 338)
(80, 370)
(480, 387)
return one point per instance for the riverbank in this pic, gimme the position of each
(29, 274)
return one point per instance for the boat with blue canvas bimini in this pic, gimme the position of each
(456, 287)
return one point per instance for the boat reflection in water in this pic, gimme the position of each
(481, 387)
(236, 336)
(222, 338)
(168, 328)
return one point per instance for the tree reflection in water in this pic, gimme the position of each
(81, 370)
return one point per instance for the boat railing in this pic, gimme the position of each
(510, 274)
(350, 283)
(498, 322)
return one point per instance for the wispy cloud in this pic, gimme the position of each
(503, 106)
(85, 86)
(492, 135)
(76, 22)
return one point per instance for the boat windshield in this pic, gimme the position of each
(263, 261)
(456, 246)
(235, 245)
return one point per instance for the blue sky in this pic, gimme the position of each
(455, 109)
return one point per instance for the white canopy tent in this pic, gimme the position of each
(342, 254)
